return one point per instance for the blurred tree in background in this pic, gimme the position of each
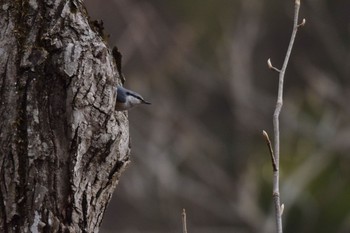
(202, 63)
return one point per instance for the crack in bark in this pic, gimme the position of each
(100, 110)
(85, 212)
(3, 211)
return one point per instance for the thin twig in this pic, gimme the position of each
(269, 64)
(276, 129)
(184, 221)
(303, 22)
(268, 142)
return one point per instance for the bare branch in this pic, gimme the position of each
(184, 221)
(276, 151)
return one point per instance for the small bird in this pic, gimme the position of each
(127, 99)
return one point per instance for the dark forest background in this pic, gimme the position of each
(202, 64)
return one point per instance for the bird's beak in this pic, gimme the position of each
(145, 102)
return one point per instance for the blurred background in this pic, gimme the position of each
(202, 64)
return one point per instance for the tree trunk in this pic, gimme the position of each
(62, 145)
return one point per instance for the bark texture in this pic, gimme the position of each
(62, 147)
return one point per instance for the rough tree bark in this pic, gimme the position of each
(62, 147)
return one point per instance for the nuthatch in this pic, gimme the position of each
(127, 99)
